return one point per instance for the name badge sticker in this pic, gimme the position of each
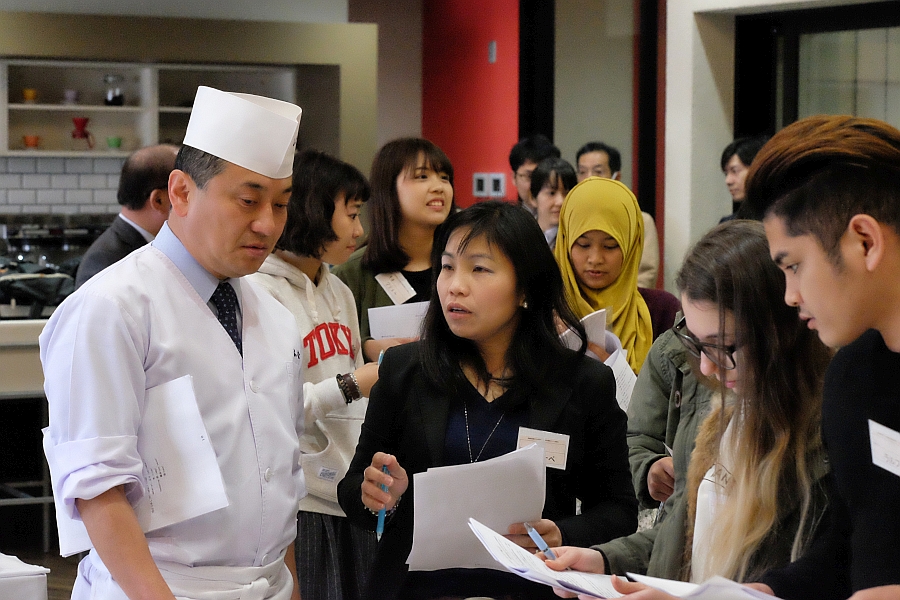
(555, 445)
(885, 447)
(396, 286)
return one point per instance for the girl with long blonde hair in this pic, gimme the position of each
(756, 481)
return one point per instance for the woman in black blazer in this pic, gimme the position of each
(489, 362)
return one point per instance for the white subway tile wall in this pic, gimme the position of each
(59, 185)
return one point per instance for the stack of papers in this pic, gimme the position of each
(524, 564)
(501, 491)
(595, 327)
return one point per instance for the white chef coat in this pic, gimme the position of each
(142, 323)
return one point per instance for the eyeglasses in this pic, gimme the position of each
(721, 356)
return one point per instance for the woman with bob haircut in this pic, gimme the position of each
(489, 362)
(412, 193)
(757, 476)
(322, 228)
(551, 180)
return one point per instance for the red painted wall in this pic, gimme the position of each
(470, 108)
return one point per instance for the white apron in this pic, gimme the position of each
(269, 582)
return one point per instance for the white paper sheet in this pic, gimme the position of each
(885, 444)
(716, 588)
(401, 320)
(625, 377)
(594, 326)
(395, 286)
(555, 445)
(525, 564)
(498, 492)
(182, 477)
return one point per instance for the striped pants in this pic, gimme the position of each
(333, 557)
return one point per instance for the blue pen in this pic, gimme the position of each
(379, 529)
(539, 541)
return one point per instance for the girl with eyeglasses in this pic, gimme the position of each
(755, 483)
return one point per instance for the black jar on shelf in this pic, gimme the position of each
(114, 95)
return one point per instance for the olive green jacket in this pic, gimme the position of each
(667, 407)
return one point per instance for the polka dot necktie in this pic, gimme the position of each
(226, 303)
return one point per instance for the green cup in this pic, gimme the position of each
(114, 142)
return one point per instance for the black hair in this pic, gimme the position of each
(746, 149)
(319, 179)
(534, 148)
(536, 355)
(615, 158)
(383, 253)
(200, 166)
(555, 171)
(143, 172)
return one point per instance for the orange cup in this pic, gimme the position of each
(31, 141)
(29, 95)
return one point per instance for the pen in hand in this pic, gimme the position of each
(539, 541)
(379, 528)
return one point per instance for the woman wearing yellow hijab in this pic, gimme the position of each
(598, 247)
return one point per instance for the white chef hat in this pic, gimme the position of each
(253, 132)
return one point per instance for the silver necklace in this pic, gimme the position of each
(469, 439)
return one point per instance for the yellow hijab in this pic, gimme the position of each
(608, 205)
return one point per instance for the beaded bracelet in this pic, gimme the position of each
(388, 512)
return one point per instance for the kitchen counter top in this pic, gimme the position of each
(21, 374)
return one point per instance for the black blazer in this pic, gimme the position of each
(407, 417)
(114, 244)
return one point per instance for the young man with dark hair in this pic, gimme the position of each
(735, 163)
(144, 196)
(523, 159)
(827, 190)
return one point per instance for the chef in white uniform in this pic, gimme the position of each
(157, 316)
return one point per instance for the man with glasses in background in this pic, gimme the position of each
(523, 159)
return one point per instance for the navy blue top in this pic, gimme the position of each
(483, 417)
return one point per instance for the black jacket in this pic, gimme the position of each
(407, 417)
(114, 244)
